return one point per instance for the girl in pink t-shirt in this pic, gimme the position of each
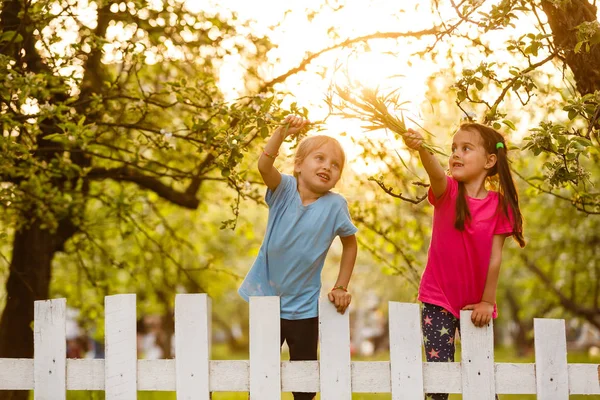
(470, 224)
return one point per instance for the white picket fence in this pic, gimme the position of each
(193, 375)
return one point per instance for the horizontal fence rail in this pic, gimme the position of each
(193, 375)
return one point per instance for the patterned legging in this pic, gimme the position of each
(439, 331)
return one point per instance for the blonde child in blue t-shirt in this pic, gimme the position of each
(304, 219)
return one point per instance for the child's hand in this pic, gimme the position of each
(292, 125)
(340, 298)
(482, 313)
(413, 139)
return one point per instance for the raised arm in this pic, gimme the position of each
(270, 175)
(437, 176)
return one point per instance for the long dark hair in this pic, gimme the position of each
(506, 188)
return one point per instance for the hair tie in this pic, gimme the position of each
(499, 145)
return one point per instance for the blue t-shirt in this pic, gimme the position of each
(293, 251)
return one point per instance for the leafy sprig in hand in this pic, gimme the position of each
(370, 106)
(294, 127)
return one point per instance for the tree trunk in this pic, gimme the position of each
(521, 341)
(29, 280)
(563, 20)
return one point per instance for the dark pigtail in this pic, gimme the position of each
(462, 208)
(509, 196)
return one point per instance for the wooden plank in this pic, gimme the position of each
(335, 371)
(85, 374)
(192, 346)
(515, 378)
(233, 376)
(265, 350)
(230, 376)
(552, 374)
(16, 373)
(300, 376)
(584, 378)
(477, 359)
(442, 377)
(50, 350)
(406, 351)
(121, 347)
(371, 377)
(156, 375)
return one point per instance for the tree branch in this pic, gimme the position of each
(126, 174)
(514, 80)
(379, 232)
(577, 203)
(589, 314)
(310, 58)
(390, 192)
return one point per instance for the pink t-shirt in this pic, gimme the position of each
(458, 261)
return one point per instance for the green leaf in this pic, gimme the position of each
(264, 132)
(57, 138)
(510, 124)
(267, 104)
(584, 142)
(11, 36)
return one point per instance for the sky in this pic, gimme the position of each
(298, 32)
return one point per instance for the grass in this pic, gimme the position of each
(221, 353)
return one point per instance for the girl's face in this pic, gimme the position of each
(321, 169)
(469, 160)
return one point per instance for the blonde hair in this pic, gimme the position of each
(312, 143)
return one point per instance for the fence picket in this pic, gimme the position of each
(121, 347)
(50, 350)
(265, 349)
(192, 350)
(552, 374)
(335, 370)
(405, 351)
(477, 359)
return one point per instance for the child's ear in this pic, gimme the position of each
(491, 161)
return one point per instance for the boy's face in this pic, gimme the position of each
(321, 169)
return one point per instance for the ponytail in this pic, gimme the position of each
(462, 208)
(508, 194)
(494, 143)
